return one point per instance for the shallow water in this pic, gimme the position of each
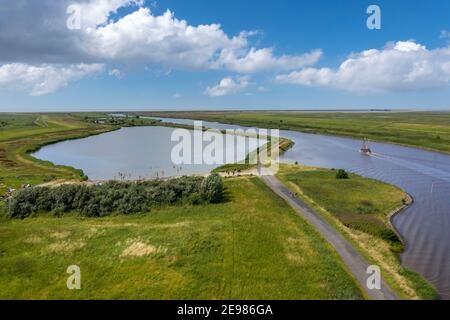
(425, 175)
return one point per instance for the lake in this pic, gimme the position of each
(135, 153)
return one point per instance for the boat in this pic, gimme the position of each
(365, 147)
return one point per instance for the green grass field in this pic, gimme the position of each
(361, 208)
(429, 130)
(22, 133)
(359, 203)
(204, 252)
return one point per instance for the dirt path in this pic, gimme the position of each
(352, 259)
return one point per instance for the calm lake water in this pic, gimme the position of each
(425, 175)
(134, 153)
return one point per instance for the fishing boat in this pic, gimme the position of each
(365, 147)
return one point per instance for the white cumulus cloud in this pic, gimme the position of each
(228, 86)
(166, 40)
(97, 12)
(148, 39)
(42, 79)
(38, 38)
(405, 65)
(257, 60)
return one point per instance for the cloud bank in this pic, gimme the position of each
(405, 65)
(35, 36)
(43, 79)
(40, 55)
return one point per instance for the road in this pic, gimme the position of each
(355, 263)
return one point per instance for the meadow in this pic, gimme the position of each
(361, 208)
(359, 203)
(23, 133)
(213, 251)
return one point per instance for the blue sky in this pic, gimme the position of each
(412, 58)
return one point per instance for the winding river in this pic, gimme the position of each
(425, 175)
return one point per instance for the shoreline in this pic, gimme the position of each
(394, 213)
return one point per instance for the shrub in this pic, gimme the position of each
(115, 197)
(212, 189)
(342, 174)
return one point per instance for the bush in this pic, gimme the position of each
(342, 174)
(212, 189)
(116, 197)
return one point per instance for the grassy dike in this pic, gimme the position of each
(21, 134)
(426, 130)
(215, 251)
(361, 209)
